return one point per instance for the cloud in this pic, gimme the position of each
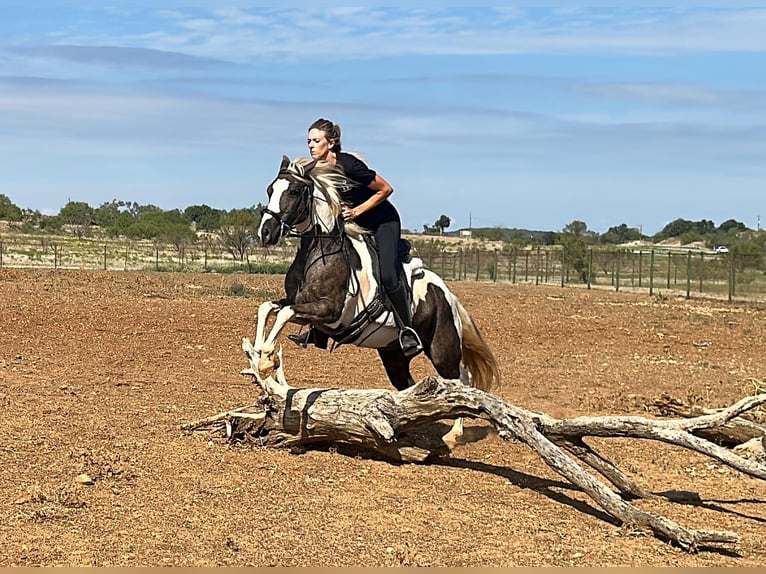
(115, 56)
(246, 34)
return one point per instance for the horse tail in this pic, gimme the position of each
(477, 356)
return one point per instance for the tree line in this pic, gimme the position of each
(235, 228)
(197, 223)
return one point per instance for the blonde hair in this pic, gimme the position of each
(331, 181)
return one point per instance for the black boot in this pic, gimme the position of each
(311, 336)
(301, 339)
(408, 338)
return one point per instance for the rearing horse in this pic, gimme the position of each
(333, 284)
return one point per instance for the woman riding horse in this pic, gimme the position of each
(365, 200)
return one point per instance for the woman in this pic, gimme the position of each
(366, 203)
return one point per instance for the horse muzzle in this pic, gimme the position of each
(270, 231)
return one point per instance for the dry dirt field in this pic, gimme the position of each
(98, 370)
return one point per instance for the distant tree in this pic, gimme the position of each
(237, 228)
(442, 223)
(179, 235)
(51, 223)
(690, 237)
(620, 234)
(206, 217)
(678, 227)
(549, 238)
(574, 241)
(732, 225)
(488, 233)
(77, 214)
(9, 211)
(106, 214)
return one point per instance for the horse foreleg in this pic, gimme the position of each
(264, 311)
(269, 360)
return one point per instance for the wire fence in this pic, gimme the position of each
(54, 252)
(693, 273)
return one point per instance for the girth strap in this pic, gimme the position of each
(358, 324)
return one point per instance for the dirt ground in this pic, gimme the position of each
(98, 370)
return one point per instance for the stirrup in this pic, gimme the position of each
(302, 339)
(410, 343)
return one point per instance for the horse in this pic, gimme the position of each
(333, 285)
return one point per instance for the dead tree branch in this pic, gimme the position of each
(380, 420)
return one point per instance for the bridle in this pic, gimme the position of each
(300, 211)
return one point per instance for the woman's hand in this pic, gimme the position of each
(349, 213)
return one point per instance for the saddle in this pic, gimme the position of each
(380, 303)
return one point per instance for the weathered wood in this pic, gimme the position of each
(381, 420)
(736, 431)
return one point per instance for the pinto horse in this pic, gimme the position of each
(334, 285)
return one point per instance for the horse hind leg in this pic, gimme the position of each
(397, 367)
(443, 346)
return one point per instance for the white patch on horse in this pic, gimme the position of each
(278, 188)
(420, 288)
(323, 211)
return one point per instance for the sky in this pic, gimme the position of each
(525, 117)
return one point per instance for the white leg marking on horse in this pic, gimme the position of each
(269, 360)
(455, 435)
(264, 310)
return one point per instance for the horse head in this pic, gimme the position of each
(304, 194)
(289, 206)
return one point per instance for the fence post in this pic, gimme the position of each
(702, 268)
(537, 267)
(494, 275)
(55, 256)
(515, 257)
(104, 256)
(617, 271)
(454, 259)
(1, 253)
(651, 272)
(478, 264)
(590, 264)
(127, 245)
(563, 266)
(731, 275)
(688, 274)
(441, 269)
(526, 265)
(640, 259)
(669, 258)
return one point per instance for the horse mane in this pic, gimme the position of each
(330, 181)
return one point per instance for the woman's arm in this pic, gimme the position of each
(382, 190)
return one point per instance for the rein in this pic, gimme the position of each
(289, 220)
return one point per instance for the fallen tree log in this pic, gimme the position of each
(379, 420)
(739, 430)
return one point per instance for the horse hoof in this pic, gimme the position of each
(451, 441)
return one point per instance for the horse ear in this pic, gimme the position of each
(309, 166)
(285, 162)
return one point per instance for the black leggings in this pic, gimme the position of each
(387, 237)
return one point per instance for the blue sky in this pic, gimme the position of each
(517, 117)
